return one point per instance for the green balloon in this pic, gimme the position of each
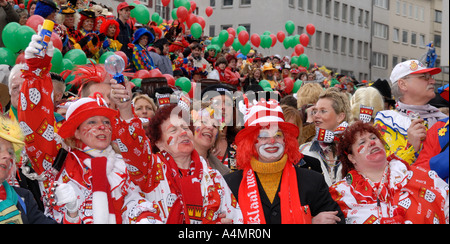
(216, 41)
(174, 14)
(67, 64)
(177, 3)
(223, 36)
(23, 36)
(266, 33)
(196, 30)
(91, 61)
(265, 84)
(246, 49)
(186, 4)
(303, 61)
(268, 89)
(297, 86)
(290, 27)
(57, 64)
(237, 45)
(295, 60)
(240, 28)
(184, 83)
(7, 56)
(155, 17)
(104, 57)
(266, 41)
(8, 34)
(141, 13)
(77, 56)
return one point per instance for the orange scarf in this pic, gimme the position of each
(291, 210)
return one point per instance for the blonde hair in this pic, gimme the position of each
(341, 102)
(308, 94)
(290, 112)
(148, 99)
(367, 96)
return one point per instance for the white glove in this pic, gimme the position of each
(34, 48)
(65, 194)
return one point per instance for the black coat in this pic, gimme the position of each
(32, 215)
(313, 191)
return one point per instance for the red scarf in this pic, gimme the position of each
(291, 210)
(189, 202)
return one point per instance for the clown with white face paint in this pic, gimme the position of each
(270, 144)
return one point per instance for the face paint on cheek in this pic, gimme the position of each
(197, 130)
(170, 141)
(361, 149)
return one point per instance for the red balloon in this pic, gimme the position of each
(281, 36)
(256, 40)
(193, 6)
(191, 92)
(182, 13)
(201, 21)
(57, 43)
(141, 74)
(231, 31)
(155, 73)
(34, 21)
(21, 59)
(274, 39)
(289, 83)
(230, 41)
(165, 2)
(304, 40)
(191, 19)
(122, 55)
(209, 11)
(170, 80)
(299, 49)
(243, 37)
(311, 29)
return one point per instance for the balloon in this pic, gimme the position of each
(23, 36)
(142, 74)
(246, 49)
(256, 40)
(57, 64)
(77, 56)
(290, 27)
(230, 40)
(268, 89)
(7, 56)
(123, 56)
(223, 36)
(170, 80)
(201, 21)
(20, 58)
(90, 61)
(137, 82)
(304, 61)
(281, 36)
(237, 45)
(295, 60)
(67, 64)
(34, 21)
(57, 43)
(240, 28)
(289, 83)
(196, 30)
(186, 4)
(266, 41)
(174, 14)
(274, 40)
(209, 11)
(267, 33)
(105, 56)
(191, 19)
(177, 3)
(184, 83)
(191, 92)
(182, 13)
(311, 29)
(193, 6)
(231, 31)
(154, 73)
(264, 84)
(297, 86)
(299, 49)
(165, 2)
(8, 36)
(155, 17)
(141, 13)
(243, 37)
(304, 40)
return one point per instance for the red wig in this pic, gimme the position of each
(84, 18)
(246, 145)
(105, 26)
(85, 74)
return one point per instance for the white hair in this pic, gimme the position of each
(14, 71)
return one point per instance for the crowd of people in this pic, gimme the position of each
(253, 149)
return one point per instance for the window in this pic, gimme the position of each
(249, 2)
(344, 12)
(227, 3)
(405, 37)
(300, 30)
(396, 35)
(344, 45)
(361, 17)
(359, 49)
(310, 6)
(212, 3)
(437, 16)
(380, 30)
(413, 38)
(326, 44)
(404, 9)
(398, 6)
(366, 50)
(337, 6)
(422, 40)
(300, 4)
(319, 7)
(318, 39)
(328, 8)
(437, 40)
(382, 3)
(351, 44)
(352, 15)
(248, 27)
(335, 43)
(366, 18)
(380, 60)
(291, 3)
(212, 30)
(394, 60)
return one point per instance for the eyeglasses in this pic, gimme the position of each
(425, 77)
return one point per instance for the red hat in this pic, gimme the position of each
(83, 109)
(124, 5)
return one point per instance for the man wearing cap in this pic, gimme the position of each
(126, 33)
(405, 128)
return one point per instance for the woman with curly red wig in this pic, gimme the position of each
(268, 156)
(385, 190)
